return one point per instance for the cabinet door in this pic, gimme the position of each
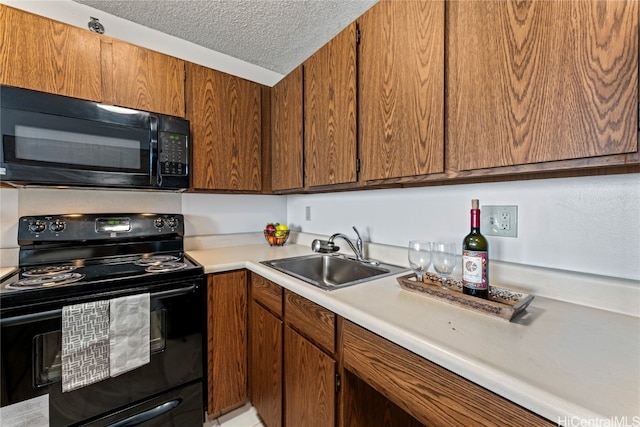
(330, 112)
(286, 140)
(265, 364)
(140, 78)
(227, 341)
(225, 115)
(401, 89)
(539, 81)
(45, 55)
(310, 396)
(429, 393)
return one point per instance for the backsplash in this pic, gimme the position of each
(205, 214)
(587, 224)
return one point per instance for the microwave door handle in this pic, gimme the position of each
(155, 152)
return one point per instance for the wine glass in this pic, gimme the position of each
(419, 257)
(444, 260)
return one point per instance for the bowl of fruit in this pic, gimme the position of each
(276, 234)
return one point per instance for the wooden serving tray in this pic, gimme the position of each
(502, 303)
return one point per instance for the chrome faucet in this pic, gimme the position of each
(329, 245)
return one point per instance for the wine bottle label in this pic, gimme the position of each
(474, 269)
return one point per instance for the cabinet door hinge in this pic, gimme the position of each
(357, 35)
(338, 382)
(357, 165)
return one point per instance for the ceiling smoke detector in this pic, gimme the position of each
(95, 25)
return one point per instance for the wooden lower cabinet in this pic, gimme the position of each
(227, 341)
(266, 351)
(429, 393)
(309, 367)
(366, 407)
(310, 376)
(292, 363)
(265, 364)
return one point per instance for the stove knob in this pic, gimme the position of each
(159, 222)
(172, 222)
(57, 226)
(37, 226)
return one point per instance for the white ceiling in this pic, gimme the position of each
(277, 35)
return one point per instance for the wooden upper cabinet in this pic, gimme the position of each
(401, 89)
(540, 81)
(49, 56)
(143, 79)
(330, 112)
(286, 141)
(225, 115)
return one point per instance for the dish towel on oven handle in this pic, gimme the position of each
(129, 333)
(85, 344)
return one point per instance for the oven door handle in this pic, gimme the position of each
(150, 414)
(52, 314)
(175, 292)
(31, 317)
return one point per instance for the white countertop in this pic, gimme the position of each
(5, 271)
(569, 363)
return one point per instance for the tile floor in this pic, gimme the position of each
(245, 416)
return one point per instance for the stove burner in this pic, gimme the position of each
(165, 266)
(48, 270)
(156, 260)
(47, 281)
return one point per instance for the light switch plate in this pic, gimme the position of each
(498, 220)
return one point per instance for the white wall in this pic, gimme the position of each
(207, 214)
(587, 224)
(8, 227)
(15, 203)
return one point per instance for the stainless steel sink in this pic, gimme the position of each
(333, 271)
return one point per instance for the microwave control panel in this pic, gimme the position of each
(173, 154)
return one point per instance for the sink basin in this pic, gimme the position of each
(332, 271)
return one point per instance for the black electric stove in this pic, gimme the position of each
(67, 256)
(75, 259)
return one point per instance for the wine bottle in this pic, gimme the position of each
(475, 258)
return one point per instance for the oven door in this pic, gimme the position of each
(31, 366)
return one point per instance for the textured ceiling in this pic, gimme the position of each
(274, 34)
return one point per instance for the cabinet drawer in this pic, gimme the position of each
(267, 293)
(428, 392)
(314, 322)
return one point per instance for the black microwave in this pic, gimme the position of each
(53, 140)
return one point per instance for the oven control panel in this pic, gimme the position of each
(75, 227)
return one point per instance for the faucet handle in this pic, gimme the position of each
(358, 241)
